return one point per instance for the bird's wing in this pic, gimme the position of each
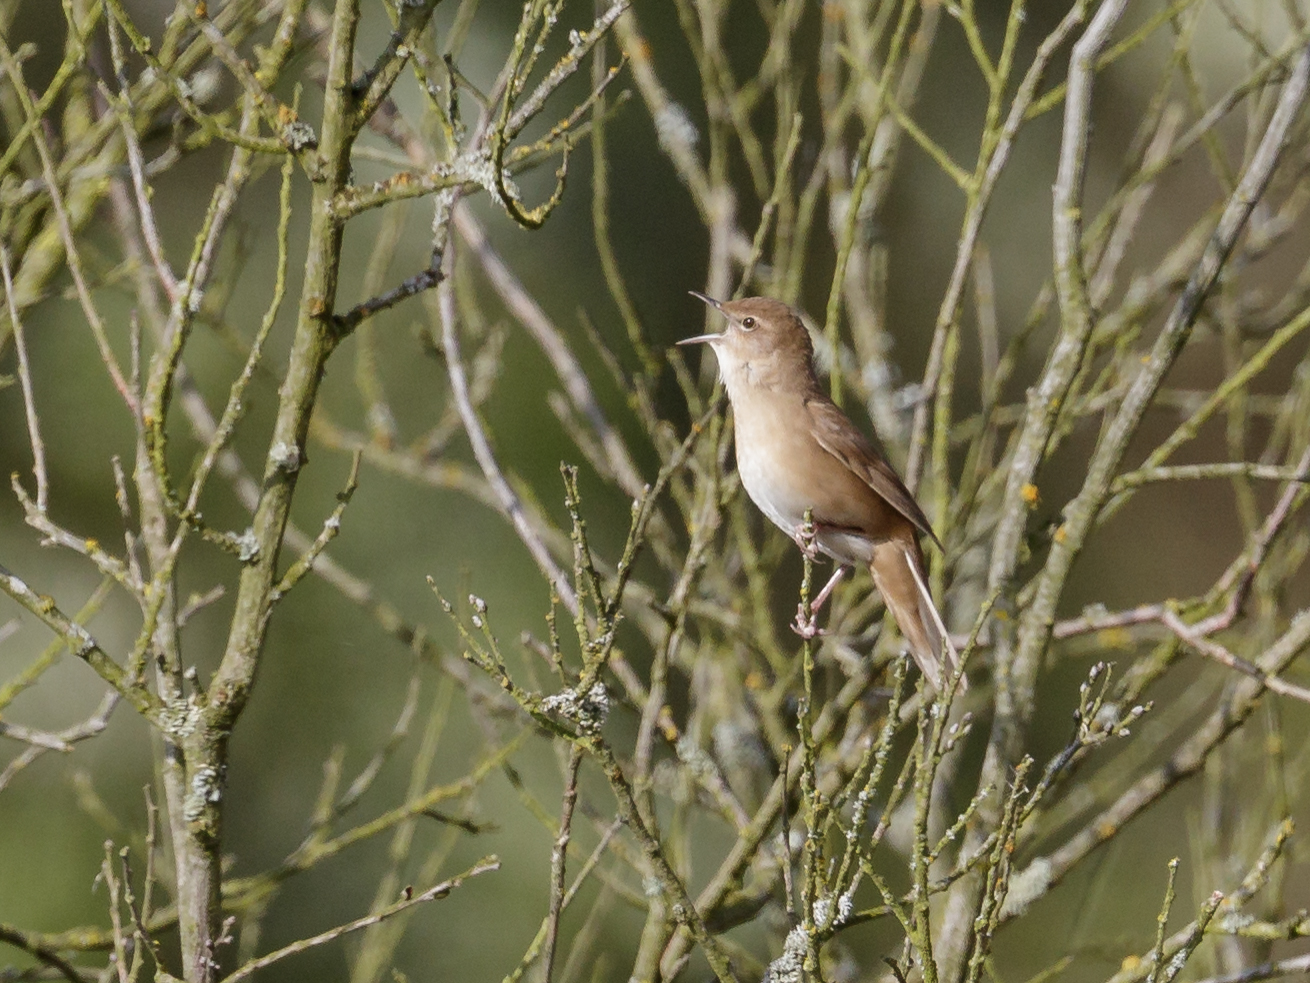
(839, 437)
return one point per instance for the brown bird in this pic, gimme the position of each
(796, 450)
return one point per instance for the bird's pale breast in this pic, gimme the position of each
(786, 471)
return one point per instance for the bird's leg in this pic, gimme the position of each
(836, 577)
(804, 625)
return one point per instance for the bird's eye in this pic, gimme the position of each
(748, 323)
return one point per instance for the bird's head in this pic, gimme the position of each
(764, 343)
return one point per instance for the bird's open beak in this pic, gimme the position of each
(709, 300)
(703, 338)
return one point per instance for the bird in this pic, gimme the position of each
(797, 452)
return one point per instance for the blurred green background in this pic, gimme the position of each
(331, 678)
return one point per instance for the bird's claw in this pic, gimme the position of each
(806, 626)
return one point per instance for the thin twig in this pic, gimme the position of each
(25, 380)
(1212, 649)
(509, 502)
(558, 860)
(416, 284)
(529, 313)
(434, 893)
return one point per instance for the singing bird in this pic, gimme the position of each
(796, 450)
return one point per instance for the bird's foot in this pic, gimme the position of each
(807, 545)
(806, 625)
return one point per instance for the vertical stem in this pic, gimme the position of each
(812, 867)
(559, 860)
(314, 341)
(198, 848)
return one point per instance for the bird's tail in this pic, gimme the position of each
(897, 570)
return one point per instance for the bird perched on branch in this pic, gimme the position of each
(797, 451)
